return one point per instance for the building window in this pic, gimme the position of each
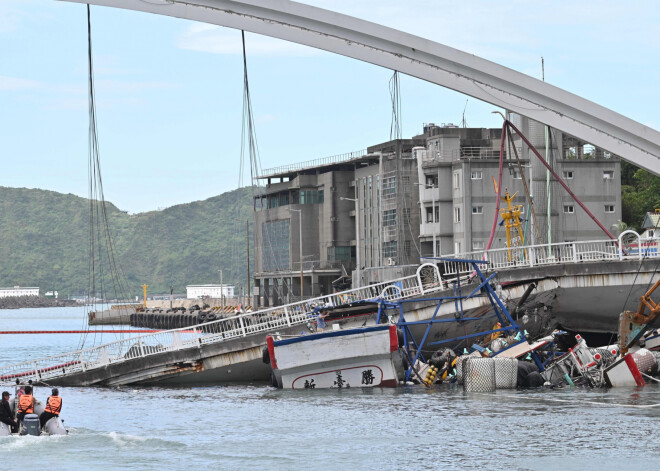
(431, 180)
(273, 201)
(609, 208)
(389, 217)
(276, 245)
(406, 215)
(429, 214)
(516, 174)
(457, 214)
(406, 248)
(457, 181)
(389, 249)
(457, 247)
(476, 175)
(478, 245)
(569, 209)
(477, 209)
(339, 254)
(311, 196)
(568, 174)
(405, 185)
(608, 174)
(389, 187)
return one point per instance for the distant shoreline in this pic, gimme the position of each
(20, 302)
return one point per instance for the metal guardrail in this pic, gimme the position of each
(555, 254)
(313, 163)
(629, 247)
(242, 325)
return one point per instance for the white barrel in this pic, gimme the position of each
(54, 427)
(506, 373)
(5, 430)
(479, 375)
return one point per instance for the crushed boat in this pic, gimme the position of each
(363, 357)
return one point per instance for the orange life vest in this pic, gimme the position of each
(25, 404)
(54, 405)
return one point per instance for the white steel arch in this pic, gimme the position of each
(427, 60)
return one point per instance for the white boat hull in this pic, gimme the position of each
(366, 357)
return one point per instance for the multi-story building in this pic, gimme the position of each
(372, 216)
(459, 167)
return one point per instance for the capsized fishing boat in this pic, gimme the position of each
(364, 357)
(31, 424)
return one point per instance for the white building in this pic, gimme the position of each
(211, 291)
(18, 291)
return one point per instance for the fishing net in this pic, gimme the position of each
(506, 373)
(479, 375)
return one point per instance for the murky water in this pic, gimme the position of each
(257, 427)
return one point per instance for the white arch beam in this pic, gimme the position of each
(427, 60)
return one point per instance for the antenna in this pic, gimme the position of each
(542, 68)
(463, 123)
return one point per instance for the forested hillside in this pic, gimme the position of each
(640, 193)
(44, 242)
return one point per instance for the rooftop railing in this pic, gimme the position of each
(333, 159)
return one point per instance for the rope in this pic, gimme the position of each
(101, 245)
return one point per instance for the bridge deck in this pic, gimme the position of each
(255, 324)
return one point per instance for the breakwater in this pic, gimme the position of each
(21, 302)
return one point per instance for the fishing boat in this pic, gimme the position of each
(363, 357)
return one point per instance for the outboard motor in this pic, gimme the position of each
(31, 425)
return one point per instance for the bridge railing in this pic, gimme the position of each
(554, 254)
(266, 320)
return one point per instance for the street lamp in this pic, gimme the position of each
(357, 237)
(426, 185)
(300, 254)
(222, 291)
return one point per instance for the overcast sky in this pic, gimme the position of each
(169, 91)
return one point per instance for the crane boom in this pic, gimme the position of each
(632, 325)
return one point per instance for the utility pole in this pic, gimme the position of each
(299, 211)
(426, 185)
(357, 236)
(222, 290)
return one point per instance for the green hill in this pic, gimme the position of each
(44, 242)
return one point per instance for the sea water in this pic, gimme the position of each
(258, 427)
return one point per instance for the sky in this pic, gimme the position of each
(169, 91)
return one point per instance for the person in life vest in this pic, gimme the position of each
(53, 407)
(25, 404)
